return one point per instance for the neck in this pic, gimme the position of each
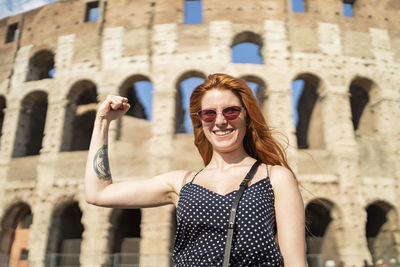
(225, 160)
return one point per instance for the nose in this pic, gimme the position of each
(220, 119)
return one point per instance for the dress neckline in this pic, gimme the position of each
(227, 194)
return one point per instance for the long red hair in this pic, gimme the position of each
(258, 140)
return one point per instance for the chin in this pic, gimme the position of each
(226, 146)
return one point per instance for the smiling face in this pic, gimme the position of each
(223, 134)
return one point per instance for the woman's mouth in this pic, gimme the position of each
(223, 132)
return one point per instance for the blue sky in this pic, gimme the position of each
(12, 7)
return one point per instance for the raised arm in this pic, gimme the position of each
(99, 188)
(289, 211)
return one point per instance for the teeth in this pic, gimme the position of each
(220, 133)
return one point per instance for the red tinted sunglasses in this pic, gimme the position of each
(210, 115)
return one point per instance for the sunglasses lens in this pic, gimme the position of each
(208, 115)
(231, 113)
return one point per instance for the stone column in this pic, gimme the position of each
(51, 144)
(387, 126)
(164, 43)
(95, 238)
(156, 237)
(156, 225)
(276, 46)
(65, 51)
(220, 39)
(279, 116)
(352, 237)
(340, 140)
(21, 67)
(381, 47)
(10, 125)
(38, 234)
(278, 109)
(112, 47)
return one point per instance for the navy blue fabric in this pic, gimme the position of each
(202, 227)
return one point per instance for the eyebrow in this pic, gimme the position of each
(228, 106)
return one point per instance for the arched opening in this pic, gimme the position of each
(92, 11)
(41, 66)
(139, 91)
(125, 237)
(65, 236)
(307, 113)
(193, 12)
(321, 244)
(31, 122)
(14, 236)
(298, 6)
(347, 7)
(2, 108)
(380, 229)
(80, 114)
(258, 88)
(360, 89)
(184, 88)
(246, 48)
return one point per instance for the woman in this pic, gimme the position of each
(230, 134)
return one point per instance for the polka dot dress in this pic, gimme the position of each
(202, 227)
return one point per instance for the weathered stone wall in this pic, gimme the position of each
(351, 169)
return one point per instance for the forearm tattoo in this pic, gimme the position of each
(100, 164)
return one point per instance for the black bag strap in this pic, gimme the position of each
(232, 216)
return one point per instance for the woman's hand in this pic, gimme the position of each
(113, 108)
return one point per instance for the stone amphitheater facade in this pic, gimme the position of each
(346, 154)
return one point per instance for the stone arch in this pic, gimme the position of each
(3, 106)
(14, 235)
(79, 117)
(260, 89)
(129, 90)
(252, 43)
(381, 230)
(184, 87)
(321, 232)
(40, 65)
(65, 235)
(307, 105)
(31, 122)
(362, 91)
(125, 235)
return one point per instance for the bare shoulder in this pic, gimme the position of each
(176, 178)
(282, 178)
(175, 181)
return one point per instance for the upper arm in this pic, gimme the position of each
(160, 190)
(289, 211)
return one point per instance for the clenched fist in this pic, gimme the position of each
(113, 108)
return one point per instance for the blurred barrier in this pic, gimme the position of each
(132, 260)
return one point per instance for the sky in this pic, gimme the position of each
(13, 7)
(242, 53)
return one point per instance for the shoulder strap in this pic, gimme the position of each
(232, 216)
(195, 176)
